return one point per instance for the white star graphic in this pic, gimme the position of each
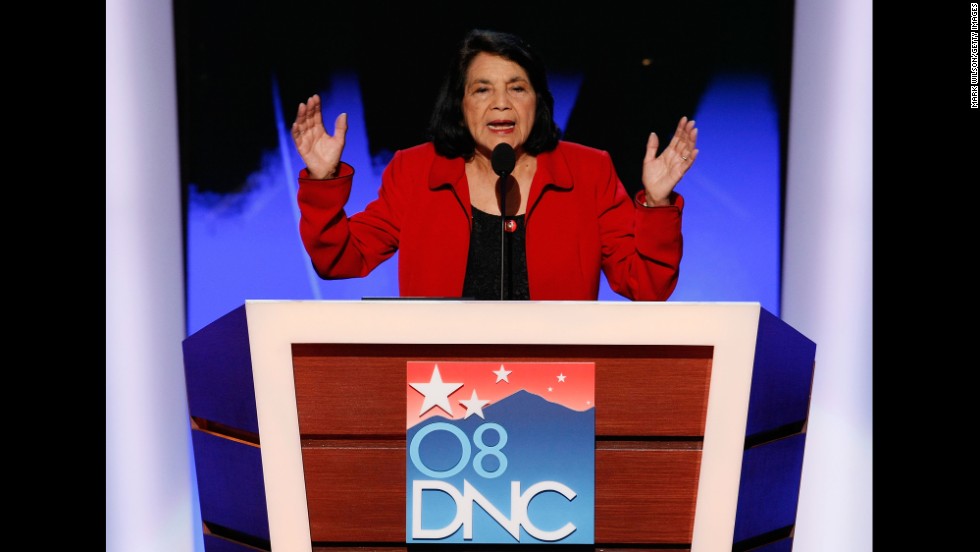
(436, 392)
(474, 405)
(550, 389)
(502, 374)
(561, 378)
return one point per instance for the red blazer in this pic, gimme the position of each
(579, 220)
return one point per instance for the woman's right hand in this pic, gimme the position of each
(320, 151)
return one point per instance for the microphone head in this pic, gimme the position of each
(503, 159)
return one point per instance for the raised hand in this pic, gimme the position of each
(320, 151)
(661, 173)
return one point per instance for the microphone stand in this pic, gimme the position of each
(502, 184)
(502, 160)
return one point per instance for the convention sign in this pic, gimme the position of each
(500, 452)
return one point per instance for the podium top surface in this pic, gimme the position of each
(459, 321)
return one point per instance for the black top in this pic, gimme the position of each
(483, 263)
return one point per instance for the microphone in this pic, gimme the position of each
(503, 160)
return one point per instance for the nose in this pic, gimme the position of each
(500, 100)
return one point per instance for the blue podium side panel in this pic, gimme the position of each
(782, 545)
(231, 488)
(218, 369)
(218, 544)
(782, 377)
(769, 488)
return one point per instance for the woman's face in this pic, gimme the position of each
(498, 103)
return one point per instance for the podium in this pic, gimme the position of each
(298, 417)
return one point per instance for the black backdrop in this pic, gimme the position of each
(228, 54)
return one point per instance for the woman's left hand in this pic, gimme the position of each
(662, 172)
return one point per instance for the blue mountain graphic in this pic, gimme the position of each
(544, 442)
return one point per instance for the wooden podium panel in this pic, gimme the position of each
(700, 416)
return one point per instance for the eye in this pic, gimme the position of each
(481, 90)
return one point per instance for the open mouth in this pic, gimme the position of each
(501, 125)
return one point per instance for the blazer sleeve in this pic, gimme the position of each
(641, 246)
(342, 246)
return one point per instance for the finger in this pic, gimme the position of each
(689, 128)
(340, 126)
(300, 125)
(315, 116)
(681, 125)
(679, 151)
(312, 110)
(300, 113)
(652, 144)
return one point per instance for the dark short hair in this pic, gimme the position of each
(447, 127)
